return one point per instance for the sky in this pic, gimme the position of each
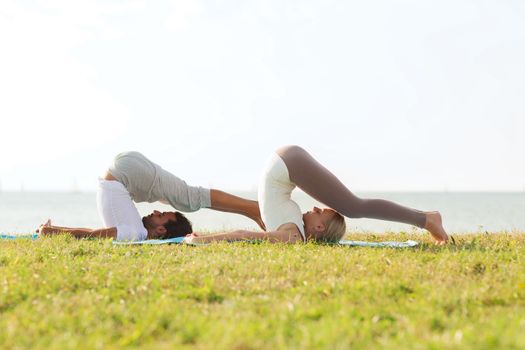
(389, 95)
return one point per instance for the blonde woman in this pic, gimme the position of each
(292, 166)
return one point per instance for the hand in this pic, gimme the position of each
(191, 238)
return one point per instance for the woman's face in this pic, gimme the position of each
(315, 220)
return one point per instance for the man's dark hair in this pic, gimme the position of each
(179, 228)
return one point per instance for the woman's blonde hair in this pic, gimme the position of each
(335, 228)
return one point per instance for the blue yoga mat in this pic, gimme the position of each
(178, 240)
(11, 237)
(149, 241)
(390, 244)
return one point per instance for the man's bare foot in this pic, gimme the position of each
(434, 225)
(257, 218)
(259, 222)
(255, 214)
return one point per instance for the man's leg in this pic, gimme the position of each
(226, 202)
(176, 192)
(187, 198)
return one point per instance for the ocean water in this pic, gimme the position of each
(22, 212)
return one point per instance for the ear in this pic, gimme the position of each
(319, 227)
(160, 230)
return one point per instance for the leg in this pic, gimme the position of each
(317, 181)
(226, 202)
(191, 198)
(176, 192)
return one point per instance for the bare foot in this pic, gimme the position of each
(255, 214)
(434, 225)
(259, 222)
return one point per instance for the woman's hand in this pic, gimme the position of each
(193, 237)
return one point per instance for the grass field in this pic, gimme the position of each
(63, 293)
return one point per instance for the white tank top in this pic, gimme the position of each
(275, 203)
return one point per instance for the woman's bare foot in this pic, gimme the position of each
(434, 225)
(45, 224)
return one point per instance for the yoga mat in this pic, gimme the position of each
(149, 241)
(390, 244)
(178, 240)
(11, 237)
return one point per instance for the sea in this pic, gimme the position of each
(23, 212)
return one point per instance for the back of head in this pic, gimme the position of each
(179, 228)
(335, 228)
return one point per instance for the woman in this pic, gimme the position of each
(292, 166)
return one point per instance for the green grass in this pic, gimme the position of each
(62, 293)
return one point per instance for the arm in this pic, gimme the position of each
(288, 233)
(110, 232)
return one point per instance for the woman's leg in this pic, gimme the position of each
(317, 181)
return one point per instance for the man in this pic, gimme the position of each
(133, 177)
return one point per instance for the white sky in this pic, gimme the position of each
(390, 95)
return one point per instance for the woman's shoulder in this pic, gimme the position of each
(292, 229)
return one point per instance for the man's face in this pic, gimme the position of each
(156, 219)
(315, 220)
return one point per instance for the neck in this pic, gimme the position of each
(152, 234)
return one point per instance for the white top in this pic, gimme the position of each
(116, 209)
(275, 202)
